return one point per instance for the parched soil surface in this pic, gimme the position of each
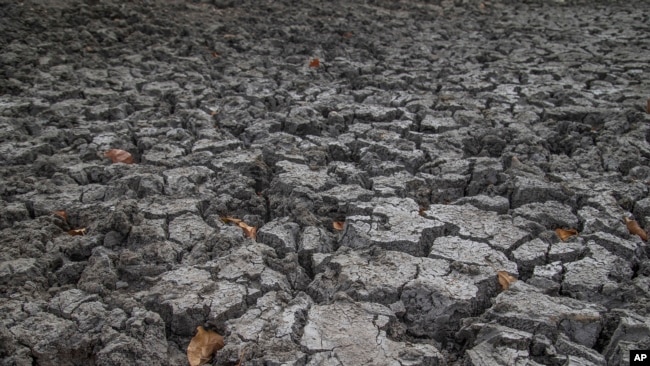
(418, 182)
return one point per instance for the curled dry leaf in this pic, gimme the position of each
(314, 62)
(505, 279)
(634, 228)
(228, 219)
(119, 156)
(338, 225)
(647, 106)
(564, 234)
(77, 232)
(249, 231)
(203, 346)
(62, 214)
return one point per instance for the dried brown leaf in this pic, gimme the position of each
(564, 234)
(347, 35)
(647, 106)
(62, 214)
(119, 156)
(203, 346)
(634, 228)
(314, 63)
(228, 219)
(77, 232)
(505, 279)
(249, 231)
(338, 225)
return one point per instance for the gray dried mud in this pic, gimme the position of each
(451, 137)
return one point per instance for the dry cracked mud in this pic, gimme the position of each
(451, 139)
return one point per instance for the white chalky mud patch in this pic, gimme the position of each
(392, 224)
(328, 335)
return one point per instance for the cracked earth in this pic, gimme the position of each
(450, 139)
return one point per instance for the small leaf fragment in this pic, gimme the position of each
(634, 228)
(62, 214)
(228, 219)
(249, 231)
(314, 62)
(564, 234)
(338, 225)
(505, 279)
(203, 346)
(422, 210)
(77, 232)
(347, 35)
(119, 156)
(647, 106)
